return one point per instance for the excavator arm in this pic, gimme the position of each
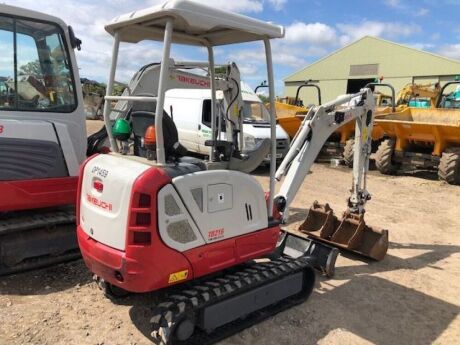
(351, 232)
(319, 123)
(418, 90)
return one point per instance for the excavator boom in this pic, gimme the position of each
(351, 232)
(419, 90)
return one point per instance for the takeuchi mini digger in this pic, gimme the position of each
(208, 236)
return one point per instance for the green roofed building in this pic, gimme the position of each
(351, 67)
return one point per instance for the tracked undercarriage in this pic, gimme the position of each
(212, 309)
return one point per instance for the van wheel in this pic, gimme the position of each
(348, 152)
(384, 158)
(449, 166)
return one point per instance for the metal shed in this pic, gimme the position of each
(351, 67)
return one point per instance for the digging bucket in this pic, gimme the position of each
(320, 221)
(350, 233)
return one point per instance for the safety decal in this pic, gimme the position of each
(364, 135)
(177, 276)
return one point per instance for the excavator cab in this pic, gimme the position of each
(43, 139)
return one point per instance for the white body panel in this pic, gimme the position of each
(228, 204)
(233, 203)
(104, 216)
(72, 158)
(16, 129)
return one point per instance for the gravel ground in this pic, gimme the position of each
(411, 297)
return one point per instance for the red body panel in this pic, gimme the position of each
(150, 266)
(32, 194)
(221, 255)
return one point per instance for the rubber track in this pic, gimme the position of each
(22, 221)
(40, 262)
(16, 222)
(191, 300)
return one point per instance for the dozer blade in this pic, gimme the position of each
(350, 233)
(320, 255)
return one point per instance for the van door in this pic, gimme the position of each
(186, 114)
(204, 132)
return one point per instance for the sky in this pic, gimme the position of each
(313, 29)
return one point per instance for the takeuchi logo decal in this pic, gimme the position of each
(99, 203)
(193, 81)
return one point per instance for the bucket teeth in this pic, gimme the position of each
(349, 233)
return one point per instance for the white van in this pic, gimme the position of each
(191, 111)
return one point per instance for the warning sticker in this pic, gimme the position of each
(364, 135)
(178, 276)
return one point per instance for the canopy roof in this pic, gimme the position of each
(194, 24)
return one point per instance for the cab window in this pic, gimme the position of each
(35, 69)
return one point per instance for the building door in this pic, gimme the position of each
(354, 85)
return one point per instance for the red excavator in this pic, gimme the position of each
(205, 235)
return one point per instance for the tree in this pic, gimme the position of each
(31, 68)
(263, 98)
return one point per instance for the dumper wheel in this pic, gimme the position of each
(449, 166)
(348, 152)
(384, 158)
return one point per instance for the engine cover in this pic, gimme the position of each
(221, 204)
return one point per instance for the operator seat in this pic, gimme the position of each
(143, 116)
(141, 120)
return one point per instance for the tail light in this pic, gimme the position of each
(98, 185)
(139, 229)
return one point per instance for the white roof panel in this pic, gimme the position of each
(22, 12)
(194, 24)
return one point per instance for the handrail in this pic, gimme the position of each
(438, 103)
(131, 98)
(307, 84)
(262, 84)
(393, 93)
